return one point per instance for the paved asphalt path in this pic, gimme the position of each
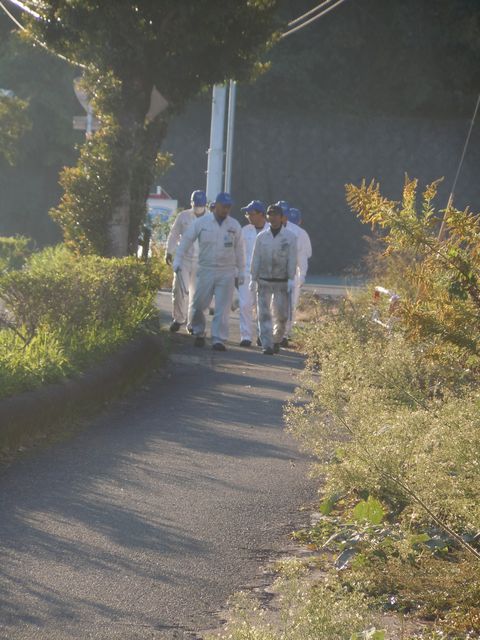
(144, 523)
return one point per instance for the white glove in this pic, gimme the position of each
(290, 286)
(241, 280)
(251, 285)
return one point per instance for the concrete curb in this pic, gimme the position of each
(29, 412)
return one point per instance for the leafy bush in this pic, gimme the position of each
(376, 411)
(62, 312)
(432, 259)
(394, 412)
(14, 252)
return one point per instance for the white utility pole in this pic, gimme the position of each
(215, 152)
(230, 134)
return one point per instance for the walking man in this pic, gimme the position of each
(255, 213)
(183, 288)
(274, 262)
(221, 258)
(292, 219)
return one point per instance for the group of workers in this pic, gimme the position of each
(266, 260)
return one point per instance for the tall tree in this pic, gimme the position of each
(128, 50)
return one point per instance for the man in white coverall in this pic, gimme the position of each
(183, 287)
(255, 213)
(274, 262)
(291, 220)
(221, 258)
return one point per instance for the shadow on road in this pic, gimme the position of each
(153, 502)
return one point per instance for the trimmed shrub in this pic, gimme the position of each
(63, 312)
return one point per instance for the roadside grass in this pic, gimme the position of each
(417, 573)
(305, 611)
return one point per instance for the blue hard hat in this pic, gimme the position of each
(198, 198)
(224, 198)
(284, 206)
(294, 215)
(255, 205)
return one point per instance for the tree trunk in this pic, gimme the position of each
(142, 144)
(143, 173)
(119, 225)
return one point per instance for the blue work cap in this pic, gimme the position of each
(224, 198)
(199, 198)
(294, 215)
(255, 205)
(284, 206)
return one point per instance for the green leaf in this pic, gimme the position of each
(326, 507)
(370, 510)
(420, 538)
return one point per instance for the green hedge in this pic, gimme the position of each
(62, 313)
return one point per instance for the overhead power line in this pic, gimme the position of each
(465, 147)
(37, 41)
(26, 8)
(315, 17)
(441, 233)
(12, 17)
(309, 13)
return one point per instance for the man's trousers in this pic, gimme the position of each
(247, 302)
(183, 291)
(219, 283)
(273, 311)
(295, 299)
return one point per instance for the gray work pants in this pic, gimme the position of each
(218, 283)
(272, 309)
(183, 291)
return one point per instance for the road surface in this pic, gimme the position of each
(143, 523)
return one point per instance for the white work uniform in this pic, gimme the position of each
(248, 298)
(274, 263)
(183, 288)
(304, 253)
(221, 257)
